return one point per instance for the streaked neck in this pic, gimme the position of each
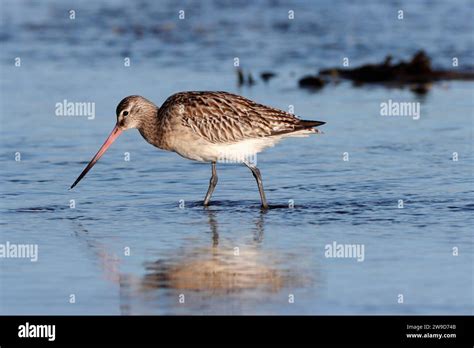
(149, 127)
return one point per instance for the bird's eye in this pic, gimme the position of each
(125, 113)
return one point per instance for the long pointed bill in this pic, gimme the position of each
(114, 135)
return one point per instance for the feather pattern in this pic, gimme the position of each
(225, 118)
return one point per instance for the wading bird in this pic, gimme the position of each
(207, 127)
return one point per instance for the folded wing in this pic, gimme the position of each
(224, 118)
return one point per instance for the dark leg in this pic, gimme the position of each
(258, 177)
(212, 184)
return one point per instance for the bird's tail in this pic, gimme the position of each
(301, 128)
(311, 126)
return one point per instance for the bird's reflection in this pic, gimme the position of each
(108, 260)
(213, 226)
(214, 229)
(222, 268)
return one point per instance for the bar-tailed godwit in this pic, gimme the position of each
(207, 127)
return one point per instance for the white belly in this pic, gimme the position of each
(243, 151)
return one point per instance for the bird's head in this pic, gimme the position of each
(132, 112)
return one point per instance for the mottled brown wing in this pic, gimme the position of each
(221, 117)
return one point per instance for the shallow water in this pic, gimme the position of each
(191, 251)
